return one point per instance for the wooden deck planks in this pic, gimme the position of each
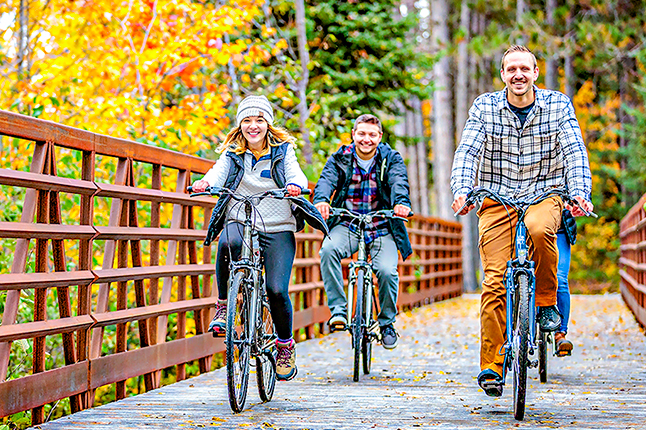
(427, 382)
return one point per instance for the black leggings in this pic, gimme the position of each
(278, 250)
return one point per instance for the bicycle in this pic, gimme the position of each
(364, 327)
(520, 283)
(249, 326)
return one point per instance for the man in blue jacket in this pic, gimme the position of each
(364, 176)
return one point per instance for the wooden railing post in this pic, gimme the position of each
(20, 255)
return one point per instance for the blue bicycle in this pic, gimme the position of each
(520, 283)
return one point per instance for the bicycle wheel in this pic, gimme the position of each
(237, 343)
(542, 354)
(366, 346)
(357, 326)
(520, 344)
(266, 360)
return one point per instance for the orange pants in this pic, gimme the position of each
(496, 229)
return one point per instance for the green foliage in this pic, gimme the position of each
(362, 60)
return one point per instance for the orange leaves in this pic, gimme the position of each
(143, 69)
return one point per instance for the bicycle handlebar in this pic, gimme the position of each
(215, 191)
(383, 213)
(475, 194)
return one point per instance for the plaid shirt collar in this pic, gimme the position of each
(539, 99)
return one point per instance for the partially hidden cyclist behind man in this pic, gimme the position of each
(565, 238)
(256, 156)
(520, 142)
(364, 176)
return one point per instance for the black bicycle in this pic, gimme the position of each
(364, 327)
(249, 327)
(520, 283)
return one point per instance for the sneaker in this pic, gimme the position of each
(286, 360)
(219, 322)
(388, 336)
(549, 318)
(563, 346)
(338, 322)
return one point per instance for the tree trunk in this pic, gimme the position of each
(413, 166)
(551, 61)
(469, 247)
(235, 87)
(304, 55)
(626, 65)
(443, 144)
(520, 20)
(422, 158)
(23, 40)
(400, 132)
(570, 83)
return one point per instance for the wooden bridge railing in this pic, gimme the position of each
(116, 292)
(633, 260)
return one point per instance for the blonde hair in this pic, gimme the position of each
(236, 142)
(517, 48)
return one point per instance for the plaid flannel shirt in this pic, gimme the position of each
(522, 161)
(362, 198)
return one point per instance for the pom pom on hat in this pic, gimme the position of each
(255, 106)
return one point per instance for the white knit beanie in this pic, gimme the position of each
(255, 106)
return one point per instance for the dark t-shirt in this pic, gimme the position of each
(521, 113)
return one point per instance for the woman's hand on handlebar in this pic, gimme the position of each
(293, 190)
(459, 202)
(200, 186)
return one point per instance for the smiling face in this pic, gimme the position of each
(366, 137)
(254, 129)
(519, 73)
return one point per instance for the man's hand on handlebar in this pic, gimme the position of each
(577, 210)
(401, 211)
(200, 186)
(459, 202)
(324, 209)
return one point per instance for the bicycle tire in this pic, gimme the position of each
(266, 360)
(357, 326)
(520, 345)
(366, 347)
(542, 355)
(238, 346)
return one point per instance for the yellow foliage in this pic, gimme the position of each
(109, 67)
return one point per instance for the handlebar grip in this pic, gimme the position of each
(189, 188)
(306, 191)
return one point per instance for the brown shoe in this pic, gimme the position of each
(563, 346)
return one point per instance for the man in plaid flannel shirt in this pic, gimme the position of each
(522, 140)
(362, 177)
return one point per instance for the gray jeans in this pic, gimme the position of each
(342, 243)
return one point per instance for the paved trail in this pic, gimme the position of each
(427, 382)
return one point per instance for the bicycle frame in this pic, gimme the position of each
(251, 264)
(521, 263)
(353, 267)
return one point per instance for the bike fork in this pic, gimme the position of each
(351, 281)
